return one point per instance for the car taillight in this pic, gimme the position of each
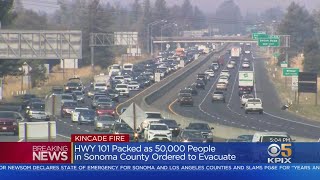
(113, 112)
(99, 112)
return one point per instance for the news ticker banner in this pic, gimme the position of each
(107, 149)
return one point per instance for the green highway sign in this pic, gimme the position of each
(259, 35)
(269, 42)
(290, 71)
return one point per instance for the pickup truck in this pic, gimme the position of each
(253, 105)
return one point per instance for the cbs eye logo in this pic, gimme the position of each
(274, 150)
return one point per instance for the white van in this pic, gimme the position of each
(127, 67)
(275, 137)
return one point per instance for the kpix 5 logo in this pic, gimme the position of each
(280, 154)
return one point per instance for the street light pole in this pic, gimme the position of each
(164, 27)
(149, 34)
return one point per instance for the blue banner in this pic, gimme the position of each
(195, 153)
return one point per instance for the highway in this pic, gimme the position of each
(231, 113)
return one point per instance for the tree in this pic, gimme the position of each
(272, 14)
(186, 14)
(6, 12)
(30, 20)
(228, 18)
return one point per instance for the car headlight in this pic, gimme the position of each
(185, 140)
(210, 134)
(136, 135)
(67, 87)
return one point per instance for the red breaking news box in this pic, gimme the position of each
(100, 137)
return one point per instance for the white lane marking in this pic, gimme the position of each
(86, 130)
(63, 136)
(71, 125)
(78, 128)
(65, 122)
(60, 120)
(254, 85)
(20, 140)
(234, 82)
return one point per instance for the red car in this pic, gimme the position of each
(103, 109)
(8, 125)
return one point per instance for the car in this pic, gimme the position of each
(222, 86)
(189, 135)
(253, 105)
(100, 86)
(183, 91)
(193, 89)
(67, 108)
(204, 77)
(79, 96)
(185, 99)
(36, 111)
(113, 94)
(204, 128)
(76, 112)
(210, 73)
(57, 90)
(150, 116)
(230, 66)
(73, 86)
(123, 89)
(9, 122)
(104, 123)
(215, 66)
(119, 78)
(27, 102)
(104, 100)
(123, 128)
(157, 132)
(244, 98)
(246, 60)
(87, 117)
(233, 62)
(67, 98)
(200, 84)
(95, 99)
(173, 126)
(127, 78)
(245, 65)
(105, 108)
(225, 73)
(223, 79)
(133, 85)
(218, 96)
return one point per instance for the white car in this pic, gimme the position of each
(123, 89)
(151, 116)
(100, 86)
(127, 78)
(157, 132)
(223, 79)
(253, 105)
(225, 73)
(119, 78)
(245, 65)
(134, 85)
(210, 73)
(127, 67)
(245, 97)
(221, 86)
(75, 113)
(230, 66)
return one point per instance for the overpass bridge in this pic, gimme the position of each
(209, 39)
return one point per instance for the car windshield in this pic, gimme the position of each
(73, 84)
(80, 110)
(11, 115)
(78, 93)
(169, 122)
(247, 96)
(38, 107)
(218, 93)
(106, 106)
(127, 66)
(200, 126)
(122, 86)
(158, 127)
(67, 97)
(69, 104)
(185, 91)
(104, 100)
(100, 84)
(119, 77)
(98, 97)
(115, 67)
(185, 95)
(88, 113)
(123, 128)
(254, 101)
(154, 115)
(105, 118)
(191, 134)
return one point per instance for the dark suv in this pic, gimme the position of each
(185, 99)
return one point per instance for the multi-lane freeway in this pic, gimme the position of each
(229, 113)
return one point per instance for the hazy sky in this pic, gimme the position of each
(209, 6)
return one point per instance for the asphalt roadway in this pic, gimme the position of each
(231, 113)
